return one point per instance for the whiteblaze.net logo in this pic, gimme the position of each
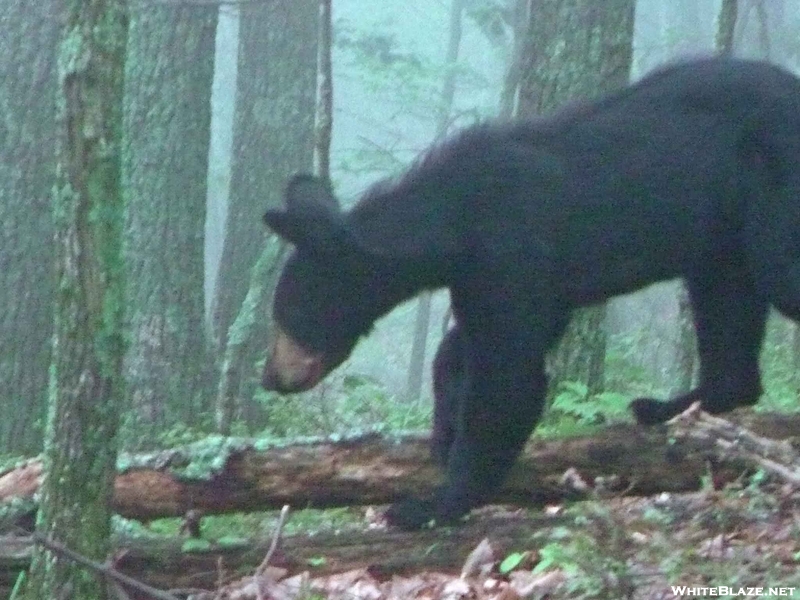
(722, 590)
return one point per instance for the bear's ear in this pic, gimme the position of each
(312, 219)
(306, 193)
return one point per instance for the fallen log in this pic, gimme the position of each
(226, 475)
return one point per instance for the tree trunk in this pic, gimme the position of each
(576, 49)
(273, 137)
(419, 343)
(324, 117)
(764, 42)
(169, 69)
(242, 338)
(273, 134)
(796, 359)
(686, 361)
(519, 12)
(726, 26)
(28, 38)
(86, 375)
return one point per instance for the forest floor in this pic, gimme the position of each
(742, 541)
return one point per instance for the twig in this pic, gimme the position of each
(777, 457)
(105, 570)
(275, 539)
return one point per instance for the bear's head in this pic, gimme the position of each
(322, 300)
(348, 269)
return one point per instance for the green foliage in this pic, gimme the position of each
(9, 462)
(332, 519)
(573, 401)
(316, 561)
(592, 554)
(232, 528)
(624, 371)
(358, 404)
(195, 545)
(572, 410)
(136, 436)
(19, 586)
(511, 562)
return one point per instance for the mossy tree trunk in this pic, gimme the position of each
(28, 38)
(273, 137)
(167, 119)
(576, 49)
(242, 342)
(86, 373)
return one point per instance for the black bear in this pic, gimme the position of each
(692, 172)
(450, 384)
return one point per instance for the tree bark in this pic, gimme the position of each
(273, 137)
(273, 133)
(686, 362)
(324, 117)
(218, 477)
(519, 16)
(764, 42)
(169, 70)
(86, 375)
(28, 40)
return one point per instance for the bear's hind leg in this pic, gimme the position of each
(730, 317)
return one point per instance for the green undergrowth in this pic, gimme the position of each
(640, 547)
(254, 524)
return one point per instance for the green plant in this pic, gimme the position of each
(353, 403)
(592, 554)
(572, 400)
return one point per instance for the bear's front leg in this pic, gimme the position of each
(498, 414)
(503, 396)
(450, 387)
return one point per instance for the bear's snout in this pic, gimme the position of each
(290, 367)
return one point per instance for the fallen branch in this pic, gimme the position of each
(774, 456)
(101, 569)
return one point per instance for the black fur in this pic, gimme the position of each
(450, 385)
(692, 172)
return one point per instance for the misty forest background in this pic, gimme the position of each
(219, 109)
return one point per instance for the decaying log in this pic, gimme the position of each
(166, 564)
(225, 475)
